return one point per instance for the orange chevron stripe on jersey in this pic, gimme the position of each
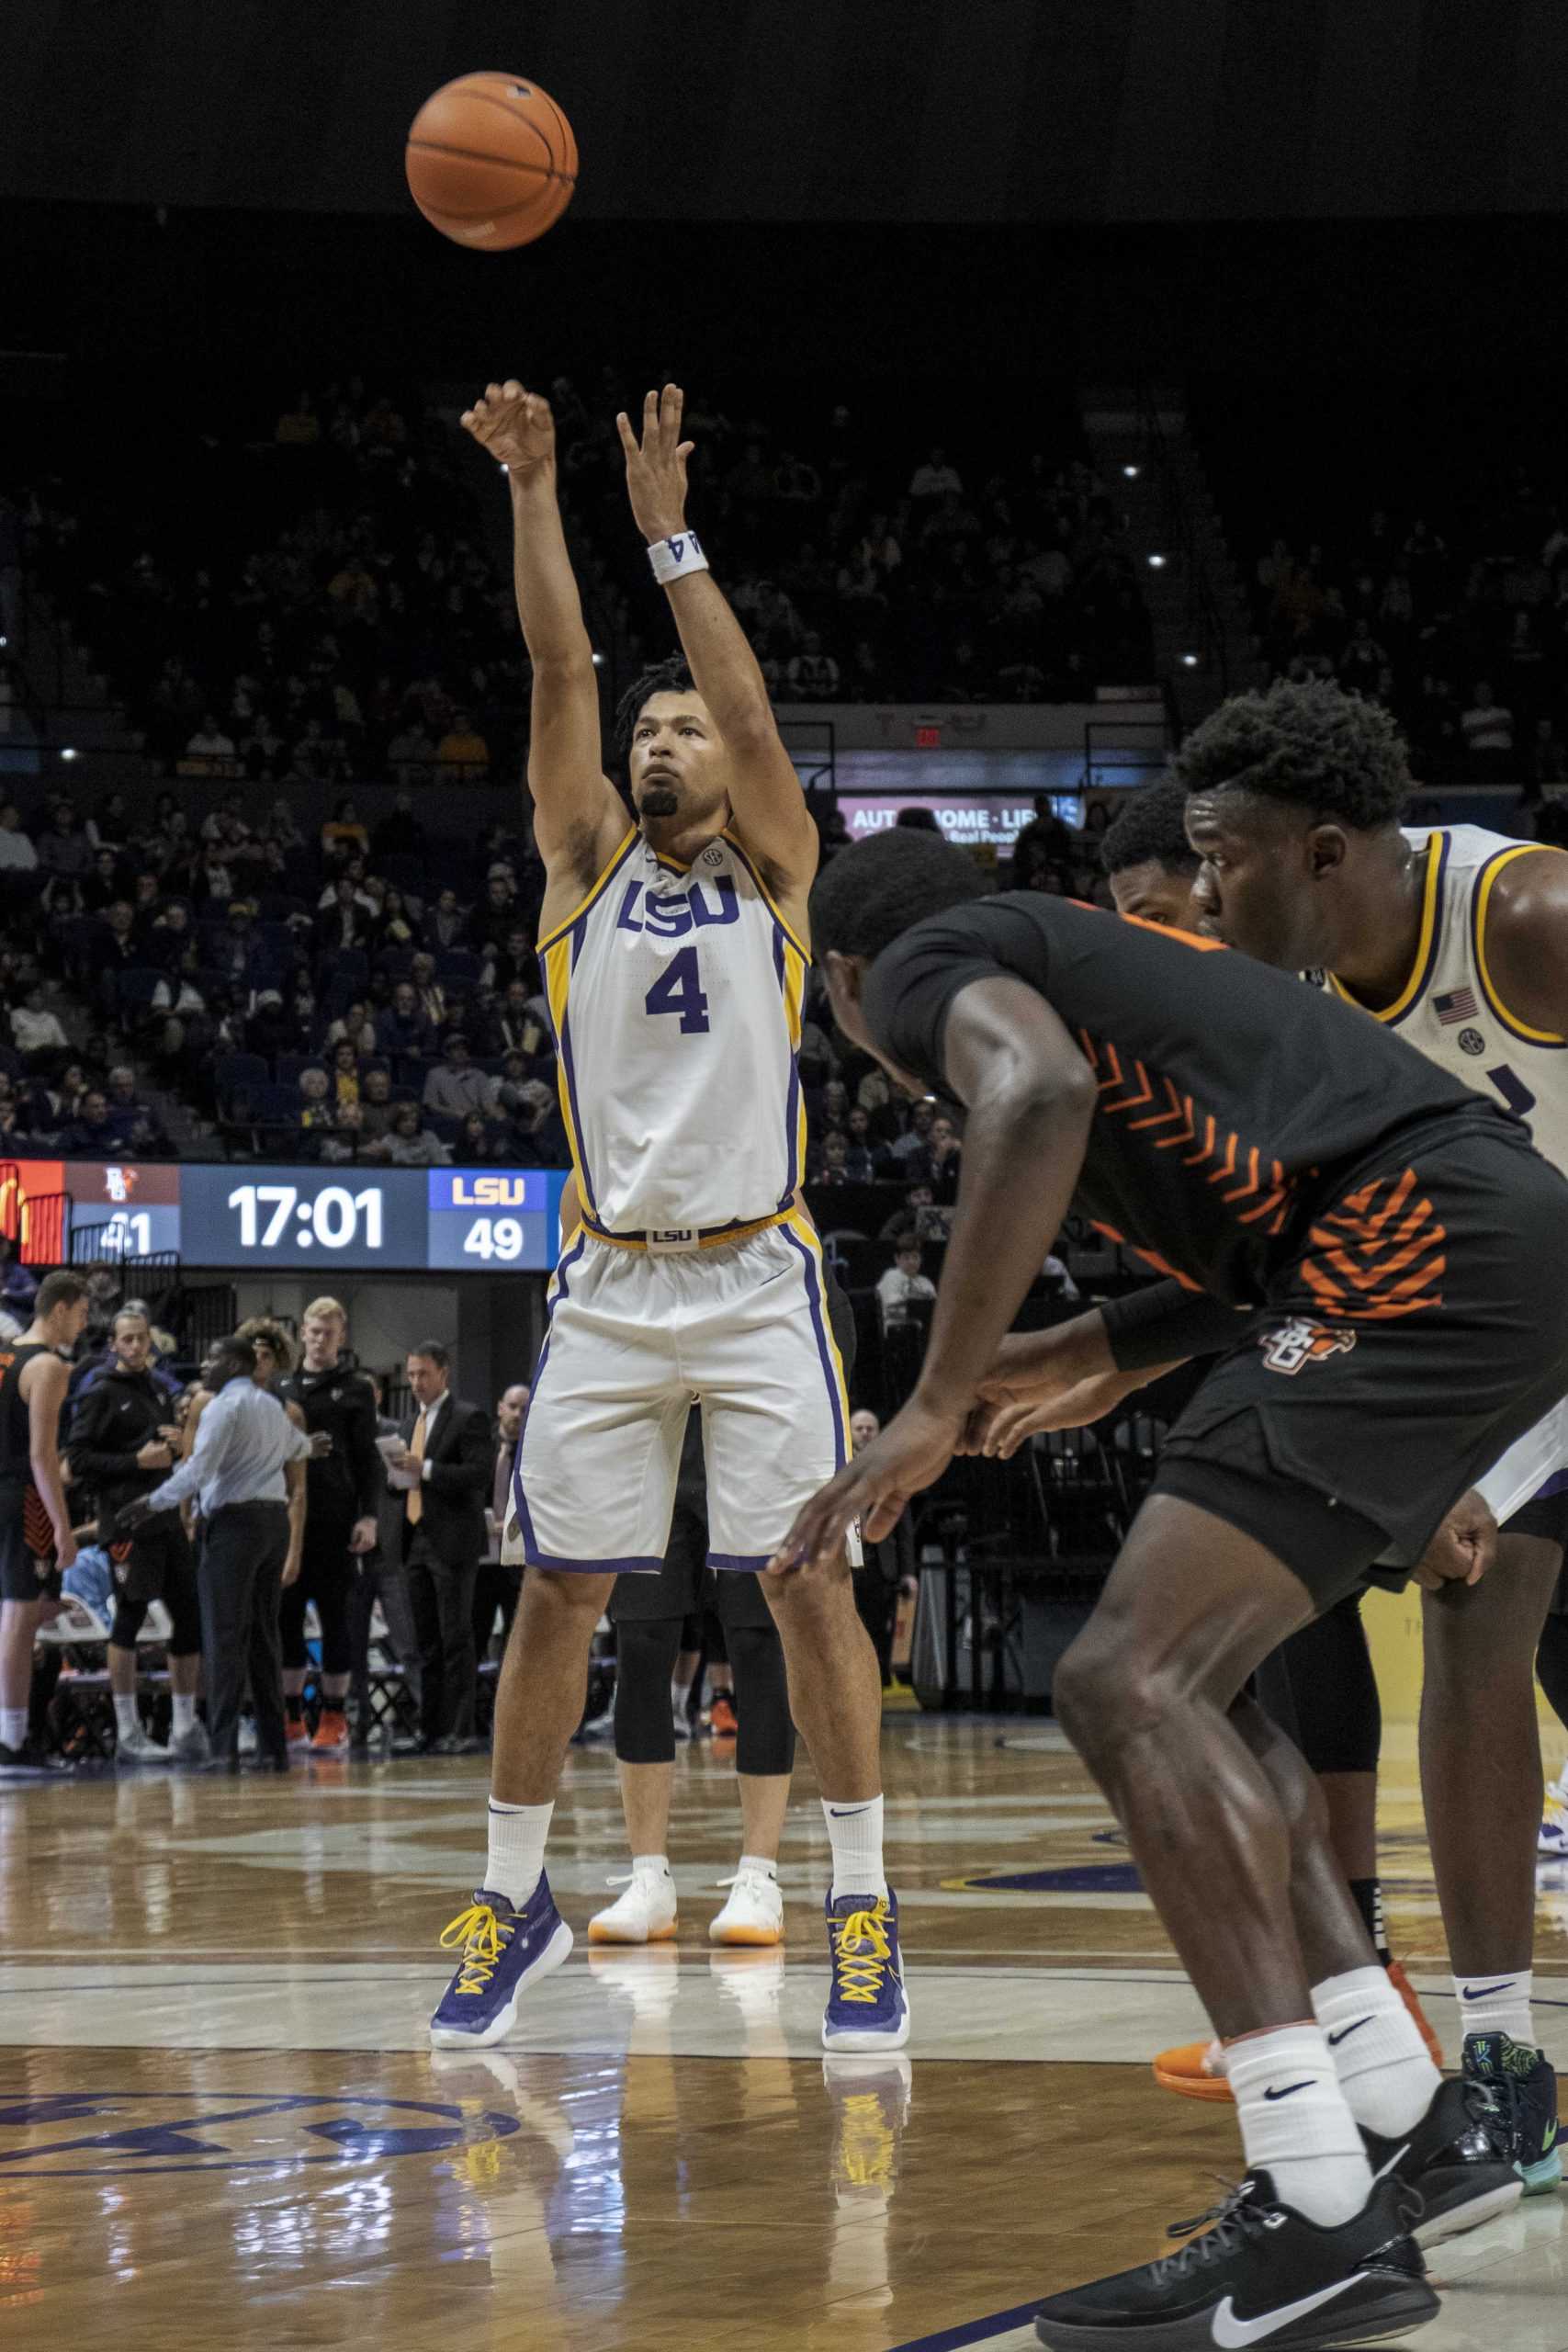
(1236, 1167)
(1374, 1259)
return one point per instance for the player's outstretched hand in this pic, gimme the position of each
(655, 467)
(515, 425)
(998, 1428)
(1463, 1549)
(911, 1453)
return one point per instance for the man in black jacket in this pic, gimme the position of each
(123, 1443)
(341, 1489)
(445, 1472)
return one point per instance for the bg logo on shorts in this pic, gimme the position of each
(1300, 1342)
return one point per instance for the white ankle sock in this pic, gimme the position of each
(652, 1865)
(1383, 2065)
(855, 1832)
(681, 1698)
(125, 1715)
(1496, 2001)
(759, 1863)
(183, 1706)
(1296, 2124)
(517, 1857)
(13, 1726)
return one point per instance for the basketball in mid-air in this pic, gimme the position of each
(491, 161)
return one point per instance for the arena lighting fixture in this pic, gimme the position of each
(598, 661)
(1156, 563)
(68, 752)
(1189, 661)
(1131, 473)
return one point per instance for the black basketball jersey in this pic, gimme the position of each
(1235, 1107)
(16, 1443)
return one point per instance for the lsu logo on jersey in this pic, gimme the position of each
(671, 914)
(1300, 1342)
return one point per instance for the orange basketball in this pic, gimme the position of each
(491, 161)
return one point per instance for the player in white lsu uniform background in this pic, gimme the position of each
(675, 954)
(1457, 940)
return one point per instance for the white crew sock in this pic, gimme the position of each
(759, 1863)
(517, 1857)
(184, 1705)
(855, 1833)
(1296, 2124)
(1496, 2001)
(1383, 2065)
(13, 1726)
(125, 1715)
(681, 1698)
(656, 1864)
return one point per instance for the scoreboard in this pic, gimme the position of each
(253, 1214)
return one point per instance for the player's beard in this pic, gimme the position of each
(660, 801)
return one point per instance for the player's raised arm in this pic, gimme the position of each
(578, 816)
(771, 815)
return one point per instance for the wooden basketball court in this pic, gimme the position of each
(221, 2122)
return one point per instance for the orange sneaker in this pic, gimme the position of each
(1193, 2071)
(332, 1734)
(723, 1721)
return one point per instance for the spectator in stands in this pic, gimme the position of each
(317, 1108)
(946, 1153)
(513, 1027)
(455, 1085)
(1488, 734)
(903, 1284)
(345, 1073)
(374, 1105)
(832, 1160)
(18, 854)
(435, 1007)
(210, 750)
(400, 832)
(811, 675)
(395, 923)
(402, 1030)
(35, 1030)
(481, 1138)
(860, 1159)
(463, 752)
(495, 918)
(910, 1153)
(936, 478)
(346, 825)
(1547, 762)
(345, 927)
(62, 847)
(541, 1136)
(92, 1135)
(446, 922)
(917, 1213)
(408, 1142)
(514, 960)
(125, 1105)
(354, 1027)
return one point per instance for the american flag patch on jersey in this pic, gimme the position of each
(1458, 1005)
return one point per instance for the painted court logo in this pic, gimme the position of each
(72, 2133)
(1301, 1341)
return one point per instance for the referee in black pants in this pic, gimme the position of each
(236, 1472)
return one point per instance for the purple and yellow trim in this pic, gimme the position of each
(628, 841)
(561, 1282)
(1424, 962)
(712, 1237)
(746, 1562)
(791, 968)
(1546, 1038)
(801, 1234)
(767, 897)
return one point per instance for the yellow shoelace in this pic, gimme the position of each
(861, 1952)
(867, 2147)
(481, 1935)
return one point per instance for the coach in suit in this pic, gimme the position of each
(444, 1474)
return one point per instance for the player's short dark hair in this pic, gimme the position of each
(1150, 830)
(62, 1288)
(1309, 743)
(433, 1353)
(877, 888)
(670, 676)
(237, 1352)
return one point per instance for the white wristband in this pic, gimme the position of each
(674, 558)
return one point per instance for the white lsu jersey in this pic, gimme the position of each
(675, 993)
(1449, 1008)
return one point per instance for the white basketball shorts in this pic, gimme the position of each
(635, 1336)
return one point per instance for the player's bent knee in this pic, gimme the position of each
(1104, 1700)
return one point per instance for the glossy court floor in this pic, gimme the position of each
(221, 2124)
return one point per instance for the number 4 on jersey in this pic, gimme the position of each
(680, 990)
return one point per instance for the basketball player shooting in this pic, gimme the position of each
(674, 952)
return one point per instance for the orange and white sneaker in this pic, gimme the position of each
(332, 1732)
(645, 1913)
(723, 1721)
(1197, 2069)
(754, 1913)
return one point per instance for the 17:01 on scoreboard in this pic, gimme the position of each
(274, 1216)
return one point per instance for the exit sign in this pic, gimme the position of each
(928, 739)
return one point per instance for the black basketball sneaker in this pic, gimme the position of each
(1458, 2159)
(1524, 2083)
(1262, 2275)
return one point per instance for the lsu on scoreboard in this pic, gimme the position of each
(394, 1220)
